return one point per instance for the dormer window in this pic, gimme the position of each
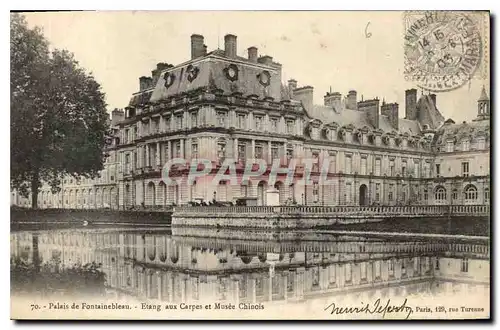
(465, 145)
(449, 146)
(481, 143)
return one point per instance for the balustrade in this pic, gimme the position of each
(341, 210)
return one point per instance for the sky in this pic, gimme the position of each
(326, 50)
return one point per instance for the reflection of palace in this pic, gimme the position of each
(218, 105)
(158, 266)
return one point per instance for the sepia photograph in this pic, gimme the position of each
(250, 165)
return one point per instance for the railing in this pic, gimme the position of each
(344, 210)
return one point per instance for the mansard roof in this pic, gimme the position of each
(462, 130)
(359, 119)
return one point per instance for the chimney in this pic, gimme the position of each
(145, 83)
(159, 68)
(266, 59)
(371, 108)
(197, 47)
(292, 85)
(411, 104)
(391, 110)
(117, 116)
(230, 47)
(333, 100)
(305, 95)
(352, 100)
(253, 54)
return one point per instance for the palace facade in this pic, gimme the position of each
(220, 106)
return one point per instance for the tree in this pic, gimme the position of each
(58, 114)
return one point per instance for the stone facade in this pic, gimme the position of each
(220, 106)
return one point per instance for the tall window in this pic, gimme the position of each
(377, 270)
(126, 136)
(391, 267)
(315, 192)
(194, 119)
(426, 170)
(438, 169)
(315, 165)
(221, 118)
(242, 121)
(391, 192)
(274, 152)
(363, 270)
(332, 166)
(404, 165)
(464, 267)
(377, 192)
(454, 194)
(392, 168)
(274, 124)
(177, 149)
(168, 123)
(440, 193)
(221, 150)
(417, 169)
(258, 151)
(290, 126)
(377, 166)
(348, 164)
(242, 152)
(348, 272)
(486, 195)
(348, 192)
(465, 168)
(449, 146)
(156, 126)
(363, 166)
(470, 193)
(127, 163)
(426, 194)
(166, 153)
(178, 121)
(194, 149)
(258, 123)
(289, 154)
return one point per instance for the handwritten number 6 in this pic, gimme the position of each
(367, 34)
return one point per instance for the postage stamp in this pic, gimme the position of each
(444, 50)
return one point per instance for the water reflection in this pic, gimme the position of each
(158, 266)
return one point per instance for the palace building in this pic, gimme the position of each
(220, 106)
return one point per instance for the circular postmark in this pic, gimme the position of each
(442, 50)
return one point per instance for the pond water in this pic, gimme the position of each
(250, 270)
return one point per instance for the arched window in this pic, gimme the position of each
(440, 193)
(470, 193)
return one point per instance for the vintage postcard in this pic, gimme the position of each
(250, 165)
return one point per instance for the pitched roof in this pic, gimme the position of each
(483, 96)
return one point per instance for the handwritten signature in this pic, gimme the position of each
(376, 308)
